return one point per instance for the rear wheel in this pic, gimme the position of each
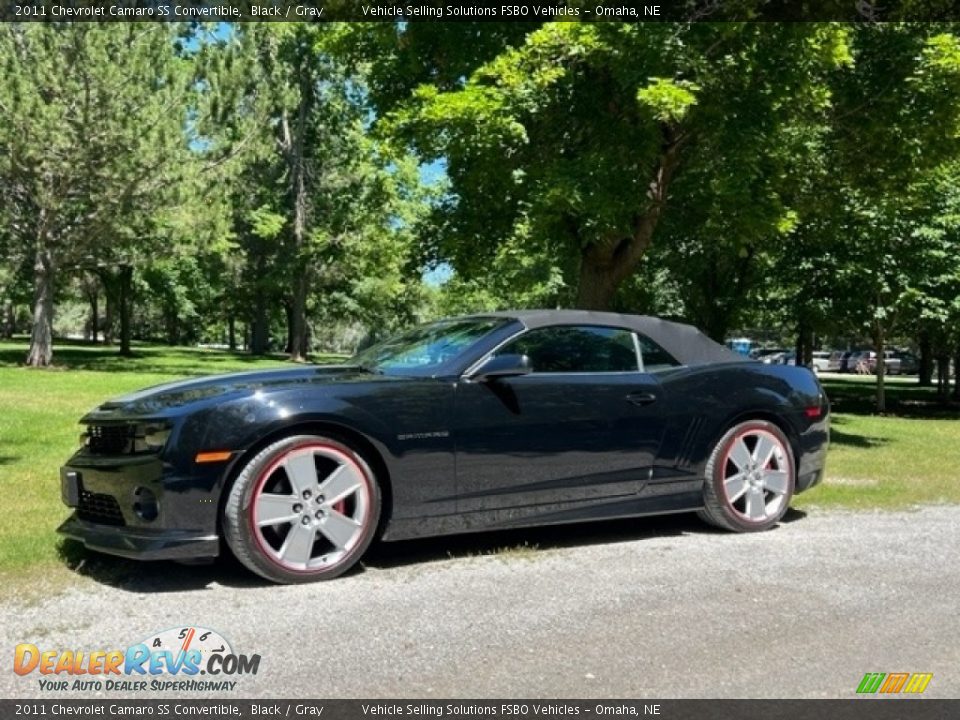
(750, 478)
(304, 509)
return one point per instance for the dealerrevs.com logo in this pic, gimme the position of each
(172, 660)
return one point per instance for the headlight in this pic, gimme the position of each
(126, 438)
(153, 437)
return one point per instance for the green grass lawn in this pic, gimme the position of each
(909, 456)
(39, 410)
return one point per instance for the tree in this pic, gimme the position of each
(892, 126)
(319, 203)
(574, 138)
(93, 140)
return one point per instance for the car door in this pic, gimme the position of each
(582, 427)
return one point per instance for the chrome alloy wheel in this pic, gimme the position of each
(756, 475)
(311, 507)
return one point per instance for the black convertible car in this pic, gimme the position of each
(473, 423)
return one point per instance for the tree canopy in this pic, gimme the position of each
(290, 187)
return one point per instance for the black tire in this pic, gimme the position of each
(718, 508)
(256, 548)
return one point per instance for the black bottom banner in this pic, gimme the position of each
(873, 708)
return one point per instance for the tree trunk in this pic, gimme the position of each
(41, 335)
(717, 326)
(126, 282)
(298, 318)
(943, 375)
(288, 311)
(925, 370)
(881, 370)
(232, 332)
(260, 322)
(94, 296)
(604, 266)
(95, 317)
(596, 287)
(294, 140)
(258, 330)
(110, 305)
(172, 322)
(301, 280)
(7, 320)
(956, 373)
(800, 348)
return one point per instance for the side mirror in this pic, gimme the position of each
(502, 366)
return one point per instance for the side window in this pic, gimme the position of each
(654, 357)
(581, 348)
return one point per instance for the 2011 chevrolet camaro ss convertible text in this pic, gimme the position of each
(473, 423)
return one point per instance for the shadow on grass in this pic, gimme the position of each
(839, 437)
(8, 459)
(163, 577)
(907, 400)
(160, 359)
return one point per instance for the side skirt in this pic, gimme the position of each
(626, 506)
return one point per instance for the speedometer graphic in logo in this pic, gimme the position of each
(184, 639)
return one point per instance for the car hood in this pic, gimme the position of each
(180, 396)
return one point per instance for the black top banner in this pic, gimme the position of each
(480, 10)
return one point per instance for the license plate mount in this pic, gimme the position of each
(70, 487)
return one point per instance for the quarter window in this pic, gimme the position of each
(654, 357)
(576, 348)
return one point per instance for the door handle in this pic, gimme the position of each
(641, 398)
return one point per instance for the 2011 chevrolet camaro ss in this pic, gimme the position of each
(473, 423)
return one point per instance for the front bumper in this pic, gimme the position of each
(142, 507)
(140, 543)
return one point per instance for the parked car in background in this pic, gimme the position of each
(784, 357)
(765, 355)
(858, 362)
(890, 363)
(771, 356)
(835, 361)
(820, 361)
(909, 363)
(845, 364)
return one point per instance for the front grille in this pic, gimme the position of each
(109, 439)
(99, 508)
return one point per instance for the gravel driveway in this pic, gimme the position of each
(650, 608)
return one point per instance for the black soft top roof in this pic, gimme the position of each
(687, 344)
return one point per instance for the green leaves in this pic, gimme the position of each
(266, 223)
(668, 100)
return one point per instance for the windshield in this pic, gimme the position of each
(425, 348)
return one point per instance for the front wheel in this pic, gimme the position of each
(749, 478)
(304, 509)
